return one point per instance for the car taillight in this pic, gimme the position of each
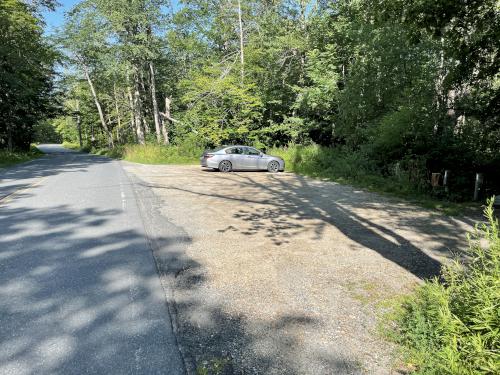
(207, 156)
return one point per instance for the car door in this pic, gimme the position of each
(236, 157)
(252, 158)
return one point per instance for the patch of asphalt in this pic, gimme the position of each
(78, 292)
(167, 244)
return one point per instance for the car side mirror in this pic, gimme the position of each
(261, 154)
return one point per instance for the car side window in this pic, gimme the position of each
(252, 151)
(234, 151)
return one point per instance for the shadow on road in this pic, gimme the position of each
(19, 177)
(97, 286)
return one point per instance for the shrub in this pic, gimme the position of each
(8, 158)
(157, 154)
(452, 325)
(338, 164)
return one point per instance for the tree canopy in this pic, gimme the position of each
(26, 72)
(406, 84)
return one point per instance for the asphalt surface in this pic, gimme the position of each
(79, 288)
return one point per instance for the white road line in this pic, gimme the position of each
(124, 199)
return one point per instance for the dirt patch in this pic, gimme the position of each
(289, 270)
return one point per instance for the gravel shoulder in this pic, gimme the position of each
(282, 274)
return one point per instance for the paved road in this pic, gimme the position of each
(79, 291)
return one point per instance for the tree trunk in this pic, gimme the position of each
(138, 108)
(156, 113)
(242, 56)
(167, 116)
(99, 108)
(10, 146)
(118, 117)
(132, 116)
(131, 107)
(79, 123)
(144, 106)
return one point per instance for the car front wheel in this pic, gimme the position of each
(225, 166)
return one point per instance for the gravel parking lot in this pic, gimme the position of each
(282, 274)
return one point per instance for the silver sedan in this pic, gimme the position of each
(230, 158)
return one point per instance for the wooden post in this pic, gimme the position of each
(435, 179)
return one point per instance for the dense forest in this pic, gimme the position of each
(396, 87)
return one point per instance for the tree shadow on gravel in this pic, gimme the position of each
(334, 205)
(211, 336)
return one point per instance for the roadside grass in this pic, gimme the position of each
(216, 366)
(452, 325)
(353, 168)
(72, 146)
(11, 158)
(146, 154)
(156, 154)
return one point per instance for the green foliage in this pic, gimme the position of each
(44, 132)
(8, 158)
(156, 154)
(452, 326)
(220, 109)
(341, 164)
(26, 72)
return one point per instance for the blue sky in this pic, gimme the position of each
(55, 19)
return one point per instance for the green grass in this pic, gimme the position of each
(354, 168)
(147, 154)
(452, 326)
(11, 158)
(72, 146)
(155, 154)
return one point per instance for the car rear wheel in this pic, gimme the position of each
(225, 166)
(273, 167)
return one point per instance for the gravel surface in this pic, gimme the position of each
(282, 274)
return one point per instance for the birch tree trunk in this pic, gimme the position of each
(242, 55)
(156, 113)
(167, 116)
(118, 117)
(138, 108)
(132, 116)
(79, 123)
(99, 108)
(144, 106)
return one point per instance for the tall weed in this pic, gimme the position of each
(158, 154)
(452, 326)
